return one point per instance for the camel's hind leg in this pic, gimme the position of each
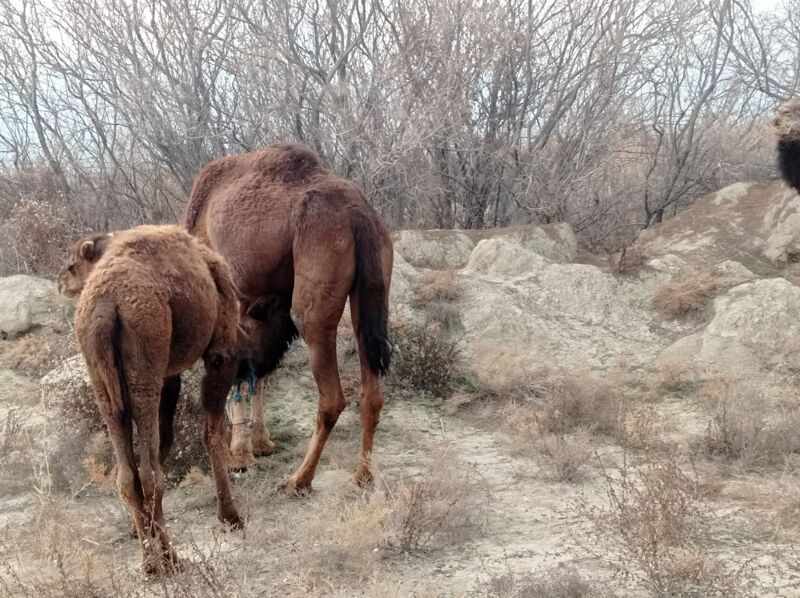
(146, 391)
(324, 266)
(216, 383)
(371, 404)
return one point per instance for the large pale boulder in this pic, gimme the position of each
(521, 312)
(453, 248)
(27, 302)
(434, 248)
(405, 278)
(755, 328)
(503, 256)
(556, 242)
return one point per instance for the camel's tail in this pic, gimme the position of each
(787, 124)
(103, 350)
(372, 291)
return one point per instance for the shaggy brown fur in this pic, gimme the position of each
(300, 241)
(787, 125)
(153, 300)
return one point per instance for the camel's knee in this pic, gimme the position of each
(371, 406)
(329, 411)
(126, 485)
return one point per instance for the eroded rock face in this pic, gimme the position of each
(755, 327)
(27, 302)
(434, 248)
(522, 311)
(452, 248)
(755, 224)
(504, 257)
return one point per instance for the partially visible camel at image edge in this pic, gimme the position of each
(154, 300)
(787, 125)
(299, 241)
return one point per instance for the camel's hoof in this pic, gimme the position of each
(262, 445)
(232, 520)
(363, 478)
(263, 449)
(240, 462)
(163, 565)
(292, 487)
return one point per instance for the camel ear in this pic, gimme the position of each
(93, 249)
(87, 250)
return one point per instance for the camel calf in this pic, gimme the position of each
(153, 300)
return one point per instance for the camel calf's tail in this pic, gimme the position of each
(787, 124)
(373, 297)
(102, 348)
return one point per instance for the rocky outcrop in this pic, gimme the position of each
(755, 224)
(27, 302)
(452, 249)
(755, 328)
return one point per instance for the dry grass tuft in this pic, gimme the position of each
(631, 260)
(562, 582)
(39, 351)
(433, 506)
(563, 458)
(673, 378)
(426, 358)
(348, 538)
(688, 294)
(437, 286)
(653, 522)
(752, 424)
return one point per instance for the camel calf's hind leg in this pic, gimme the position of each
(216, 383)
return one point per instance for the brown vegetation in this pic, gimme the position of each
(688, 294)
(752, 424)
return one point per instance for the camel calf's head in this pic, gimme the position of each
(82, 258)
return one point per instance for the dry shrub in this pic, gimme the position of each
(426, 358)
(35, 238)
(433, 506)
(426, 512)
(38, 352)
(672, 377)
(688, 294)
(348, 545)
(631, 260)
(435, 295)
(752, 423)
(652, 525)
(559, 403)
(562, 458)
(59, 554)
(544, 403)
(561, 582)
(436, 286)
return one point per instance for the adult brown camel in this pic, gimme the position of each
(787, 124)
(301, 240)
(154, 300)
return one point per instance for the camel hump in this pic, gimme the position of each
(289, 162)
